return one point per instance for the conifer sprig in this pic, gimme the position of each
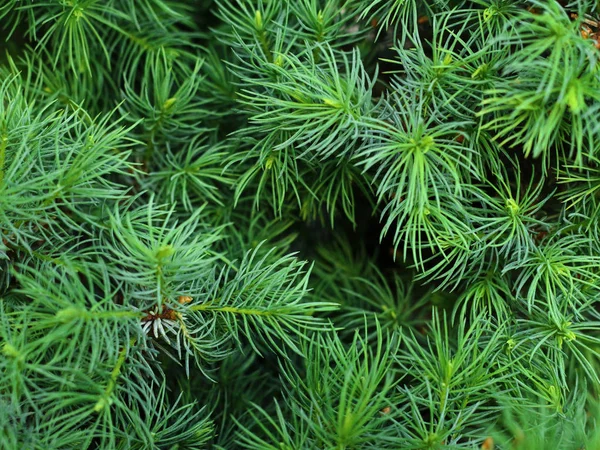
(304, 224)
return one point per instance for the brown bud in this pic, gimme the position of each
(488, 444)
(183, 299)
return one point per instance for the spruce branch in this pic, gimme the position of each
(299, 224)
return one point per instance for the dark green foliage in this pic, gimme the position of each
(299, 224)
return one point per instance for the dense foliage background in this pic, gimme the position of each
(299, 224)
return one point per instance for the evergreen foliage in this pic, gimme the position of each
(299, 224)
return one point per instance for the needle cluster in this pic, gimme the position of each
(299, 224)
